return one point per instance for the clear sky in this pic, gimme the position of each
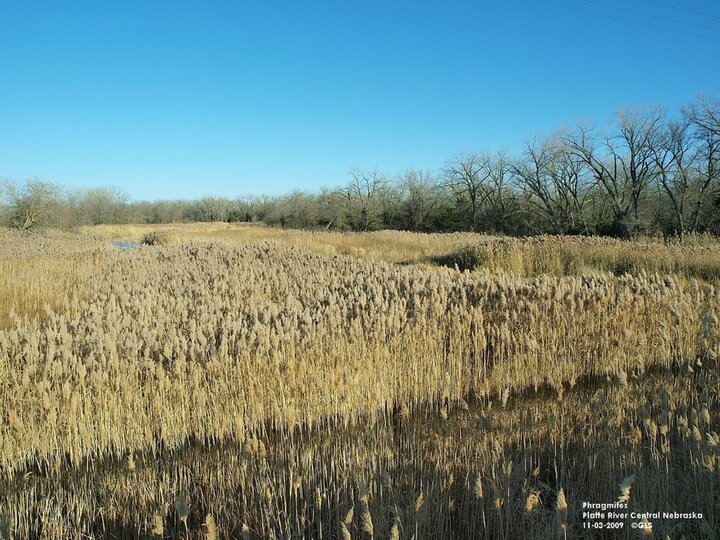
(184, 99)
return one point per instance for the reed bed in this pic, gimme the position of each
(37, 270)
(564, 255)
(205, 341)
(49, 243)
(263, 390)
(481, 471)
(696, 256)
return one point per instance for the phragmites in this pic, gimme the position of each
(211, 528)
(158, 527)
(419, 501)
(349, 516)
(259, 326)
(395, 531)
(16, 245)
(532, 501)
(478, 487)
(561, 508)
(247, 391)
(366, 522)
(312, 477)
(42, 274)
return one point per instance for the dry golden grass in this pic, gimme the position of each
(476, 471)
(697, 256)
(562, 256)
(262, 389)
(28, 285)
(391, 246)
(269, 332)
(42, 270)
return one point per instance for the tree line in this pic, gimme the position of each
(649, 172)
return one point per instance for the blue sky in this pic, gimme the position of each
(186, 99)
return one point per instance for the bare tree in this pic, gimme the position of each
(254, 208)
(362, 197)
(502, 200)
(30, 203)
(422, 199)
(687, 163)
(622, 163)
(674, 161)
(331, 208)
(468, 175)
(100, 205)
(212, 209)
(297, 209)
(554, 182)
(704, 117)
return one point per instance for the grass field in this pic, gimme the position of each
(248, 382)
(697, 256)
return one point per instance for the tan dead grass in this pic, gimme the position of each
(40, 270)
(274, 387)
(536, 256)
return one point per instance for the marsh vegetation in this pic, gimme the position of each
(247, 382)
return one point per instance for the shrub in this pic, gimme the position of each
(161, 238)
(465, 258)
